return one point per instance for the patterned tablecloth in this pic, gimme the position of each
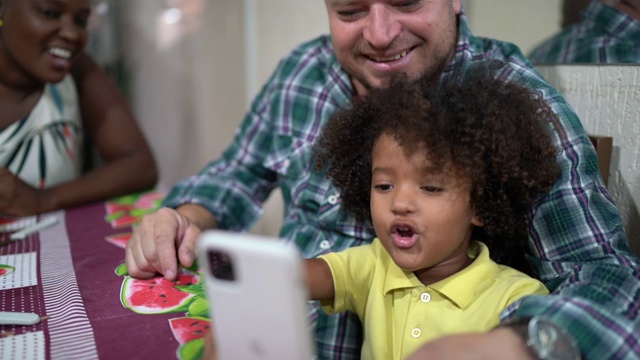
(71, 273)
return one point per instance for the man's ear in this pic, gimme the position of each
(457, 6)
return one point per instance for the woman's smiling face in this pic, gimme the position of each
(40, 38)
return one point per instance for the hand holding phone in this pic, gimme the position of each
(257, 295)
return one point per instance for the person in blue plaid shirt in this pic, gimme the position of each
(606, 32)
(576, 241)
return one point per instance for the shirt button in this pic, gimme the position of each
(325, 244)
(416, 333)
(425, 297)
(333, 199)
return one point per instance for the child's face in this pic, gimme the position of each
(424, 220)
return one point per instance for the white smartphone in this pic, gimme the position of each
(257, 295)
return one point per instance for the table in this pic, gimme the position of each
(68, 272)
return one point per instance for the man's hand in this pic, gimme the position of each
(17, 197)
(498, 344)
(152, 247)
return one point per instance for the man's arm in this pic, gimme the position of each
(499, 344)
(579, 249)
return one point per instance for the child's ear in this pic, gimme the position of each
(477, 221)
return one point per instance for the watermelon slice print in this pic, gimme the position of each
(150, 200)
(157, 295)
(4, 221)
(190, 332)
(119, 240)
(188, 328)
(128, 210)
(119, 215)
(114, 208)
(6, 269)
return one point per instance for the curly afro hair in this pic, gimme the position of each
(492, 132)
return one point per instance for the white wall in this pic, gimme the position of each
(278, 26)
(188, 78)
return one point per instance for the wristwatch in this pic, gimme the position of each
(545, 339)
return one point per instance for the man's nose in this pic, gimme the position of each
(382, 26)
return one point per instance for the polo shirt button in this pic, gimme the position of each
(333, 199)
(416, 333)
(325, 244)
(425, 297)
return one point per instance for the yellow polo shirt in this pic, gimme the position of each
(399, 313)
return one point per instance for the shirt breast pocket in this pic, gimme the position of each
(304, 188)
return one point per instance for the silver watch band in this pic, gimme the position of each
(545, 339)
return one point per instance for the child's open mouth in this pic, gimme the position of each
(404, 236)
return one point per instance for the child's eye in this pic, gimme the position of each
(383, 187)
(431, 189)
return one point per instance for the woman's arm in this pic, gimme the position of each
(319, 280)
(110, 127)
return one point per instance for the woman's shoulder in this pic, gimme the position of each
(60, 99)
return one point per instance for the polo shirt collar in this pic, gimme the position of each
(456, 287)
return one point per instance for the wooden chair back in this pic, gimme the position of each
(604, 146)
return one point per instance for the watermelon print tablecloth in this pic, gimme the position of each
(66, 272)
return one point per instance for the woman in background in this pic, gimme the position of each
(52, 97)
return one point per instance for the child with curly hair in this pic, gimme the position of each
(447, 175)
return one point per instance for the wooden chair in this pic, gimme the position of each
(604, 146)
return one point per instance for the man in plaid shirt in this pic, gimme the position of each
(577, 243)
(604, 34)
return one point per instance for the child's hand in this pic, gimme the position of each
(209, 347)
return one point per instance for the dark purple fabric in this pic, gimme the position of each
(119, 332)
(24, 299)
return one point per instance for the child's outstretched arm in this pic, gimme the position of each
(319, 280)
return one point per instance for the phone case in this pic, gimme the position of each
(257, 295)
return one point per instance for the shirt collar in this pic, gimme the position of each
(456, 287)
(464, 53)
(611, 20)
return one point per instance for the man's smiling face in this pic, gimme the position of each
(377, 39)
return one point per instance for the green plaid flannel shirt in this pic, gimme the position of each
(604, 35)
(577, 241)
